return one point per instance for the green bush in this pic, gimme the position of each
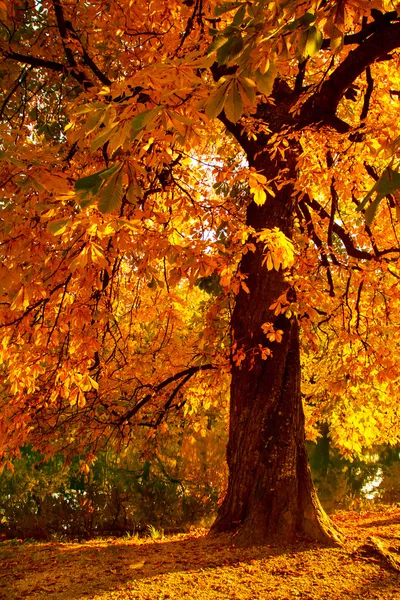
(41, 499)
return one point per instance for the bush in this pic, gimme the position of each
(41, 499)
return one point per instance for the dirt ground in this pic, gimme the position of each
(195, 566)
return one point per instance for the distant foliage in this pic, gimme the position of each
(120, 494)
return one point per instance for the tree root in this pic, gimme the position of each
(374, 547)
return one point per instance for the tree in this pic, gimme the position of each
(221, 148)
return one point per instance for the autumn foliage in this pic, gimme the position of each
(184, 184)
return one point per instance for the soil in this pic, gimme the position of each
(194, 566)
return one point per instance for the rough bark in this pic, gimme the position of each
(270, 496)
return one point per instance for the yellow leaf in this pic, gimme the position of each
(94, 383)
(259, 195)
(21, 300)
(80, 261)
(98, 257)
(233, 104)
(81, 400)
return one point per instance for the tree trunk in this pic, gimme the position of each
(270, 496)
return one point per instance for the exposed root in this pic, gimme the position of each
(374, 547)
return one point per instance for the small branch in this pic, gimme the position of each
(40, 303)
(360, 287)
(368, 93)
(298, 86)
(59, 308)
(190, 371)
(20, 79)
(348, 243)
(367, 229)
(65, 28)
(332, 215)
(168, 403)
(318, 242)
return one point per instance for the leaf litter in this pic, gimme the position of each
(206, 568)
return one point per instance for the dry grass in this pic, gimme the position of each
(196, 567)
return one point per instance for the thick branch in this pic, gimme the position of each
(35, 61)
(367, 30)
(322, 105)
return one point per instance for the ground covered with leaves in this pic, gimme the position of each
(199, 567)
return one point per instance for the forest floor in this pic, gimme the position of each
(193, 566)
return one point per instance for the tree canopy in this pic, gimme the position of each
(162, 167)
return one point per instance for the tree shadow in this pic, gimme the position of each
(73, 571)
(381, 523)
(212, 567)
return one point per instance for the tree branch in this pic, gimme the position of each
(63, 29)
(367, 30)
(303, 209)
(368, 93)
(340, 232)
(187, 373)
(20, 79)
(35, 61)
(66, 28)
(322, 105)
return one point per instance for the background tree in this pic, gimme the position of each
(115, 126)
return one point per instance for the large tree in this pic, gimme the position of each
(243, 148)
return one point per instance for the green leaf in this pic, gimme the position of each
(110, 196)
(108, 172)
(89, 182)
(93, 182)
(308, 18)
(58, 227)
(265, 82)
(86, 108)
(219, 41)
(230, 49)
(239, 16)
(310, 42)
(226, 7)
(216, 101)
(372, 208)
(314, 41)
(388, 183)
(233, 104)
(103, 137)
(144, 118)
(305, 20)
(86, 200)
(94, 120)
(247, 89)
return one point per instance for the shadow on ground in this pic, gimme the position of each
(198, 567)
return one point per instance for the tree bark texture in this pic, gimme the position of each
(270, 496)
